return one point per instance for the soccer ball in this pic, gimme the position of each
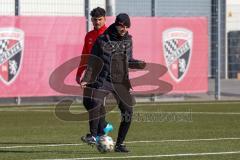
(105, 144)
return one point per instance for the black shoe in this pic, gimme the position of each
(121, 148)
(89, 139)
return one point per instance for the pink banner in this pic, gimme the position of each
(44, 43)
(179, 44)
(39, 55)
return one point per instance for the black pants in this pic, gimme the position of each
(125, 103)
(95, 126)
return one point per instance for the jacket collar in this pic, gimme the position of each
(100, 30)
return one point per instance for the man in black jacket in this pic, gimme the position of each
(98, 21)
(107, 72)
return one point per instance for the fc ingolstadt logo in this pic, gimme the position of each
(177, 47)
(11, 53)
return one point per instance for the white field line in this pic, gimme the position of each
(189, 103)
(24, 110)
(184, 140)
(188, 112)
(31, 107)
(38, 146)
(129, 142)
(155, 156)
(141, 112)
(138, 105)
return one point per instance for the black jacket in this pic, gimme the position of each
(110, 59)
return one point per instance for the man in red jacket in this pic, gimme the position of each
(98, 20)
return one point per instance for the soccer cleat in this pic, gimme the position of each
(121, 148)
(108, 128)
(89, 139)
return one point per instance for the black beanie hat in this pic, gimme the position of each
(123, 19)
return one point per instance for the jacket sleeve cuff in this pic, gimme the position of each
(136, 64)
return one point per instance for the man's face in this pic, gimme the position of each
(98, 22)
(122, 30)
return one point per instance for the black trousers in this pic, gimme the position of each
(125, 104)
(95, 126)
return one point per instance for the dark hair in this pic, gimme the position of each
(98, 12)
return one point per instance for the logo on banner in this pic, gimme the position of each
(11, 53)
(177, 47)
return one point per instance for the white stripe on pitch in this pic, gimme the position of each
(155, 156)
(184, 140)
(37, 146)
(153, 112)
(129, 142)
(137, 105)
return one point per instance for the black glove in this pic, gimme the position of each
(137, 64)
(142, 64)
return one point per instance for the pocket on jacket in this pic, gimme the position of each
(118, 68)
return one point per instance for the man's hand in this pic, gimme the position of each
(83, 84)
(142, 64)
(78, 80)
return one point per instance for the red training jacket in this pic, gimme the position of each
(90, 39)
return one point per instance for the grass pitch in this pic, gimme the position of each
(166, 131)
